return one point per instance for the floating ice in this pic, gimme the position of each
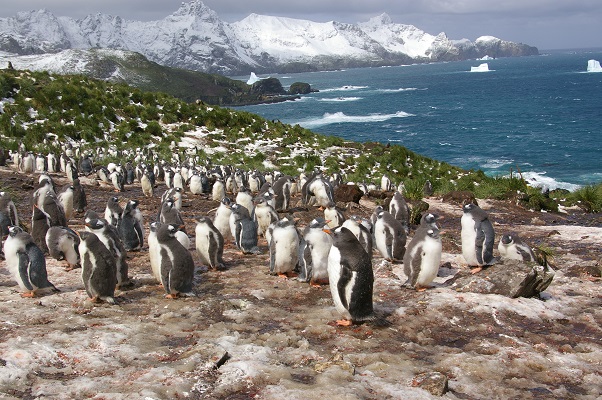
(481, 68)
(486, 58)
(253, 78)
(594, 66)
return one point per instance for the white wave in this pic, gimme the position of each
(410, 89)
(496, 163)
(338, 99)
(538, 179)
(344, 88)
(340, 118)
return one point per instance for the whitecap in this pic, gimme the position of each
(344, 88)
(539, 179)
(410, 89)
(340, 117)
(338, 99)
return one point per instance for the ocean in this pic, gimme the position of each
(541, 115)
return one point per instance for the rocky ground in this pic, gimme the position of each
(251, 335)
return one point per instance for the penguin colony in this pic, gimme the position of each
(336, 250)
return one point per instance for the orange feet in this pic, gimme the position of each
(29, 295)
(171, 296)
(475, 270)
(344, 322)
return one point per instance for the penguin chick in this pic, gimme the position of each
(209, 243)
(113, 210)
(99, 271)
(422, 258)
(513, 248)
(390, 237)
(284, 248)
(477, 237)
(177, 265)
(314, 253)
(63, 245)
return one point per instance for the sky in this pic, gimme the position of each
(546, 24)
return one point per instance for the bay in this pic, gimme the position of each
(541, 115)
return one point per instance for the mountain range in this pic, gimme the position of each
(195, 38)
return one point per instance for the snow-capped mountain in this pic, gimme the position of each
(195, 38)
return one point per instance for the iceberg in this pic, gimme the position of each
(481, 68)
(485, 58)
(594, 66)
(253, 78)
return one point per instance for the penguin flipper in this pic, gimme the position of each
(23, 269)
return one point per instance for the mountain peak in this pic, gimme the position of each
(195, 7)
(382, 19)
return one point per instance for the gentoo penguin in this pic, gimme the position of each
(284, 248)
(513, 248)
(28, 163)
(282, 192)
(351, 278)
(45, 186)
(130, 228)
(40, 223)
(361, 232)
(117, 180)
(98, 268)
(398, 207)
(221, 219)
(41, 164)
(8, 209)
(477, 237)
(385, 183)
(333, 215)
(389, 237)
(103, 173)
(79, 197)
(154, 251)
(218, 192)
(243, 229)
(263, 215)
(26, 262)
(52, 163)
(321, 190)
(113, 210)
(429, 220)
(245, 199)
(209, 243)
(314, 253)
(195, 183)
(85, 165)
(374, 216)
(177, 265)
(109, 236)
(170, 214)
(65, 198)
(53, 208)
(175, 194)
(146, 185)
(422, 258)
(63, 244)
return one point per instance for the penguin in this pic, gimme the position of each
(374, 216)
(195, 183)
(245, 199)
(429, 220)
(263, 215)
(385, 183)
(389, 237)
(321, 190)
(333, 215)
(79, 197)
(398, 208)
(98, 268)
(63, 244)
(209, 243)
(477, 237)
(41, 165)
(175, 194)
(218, 192)
(117, 180)
(154, 251)
(130, 228)
(26, 263)
(40, 223)
(45, 186)
(423, 257)
(130, 173)
(177, 265)
(178, 181)
(243, 229)
(9, 211)
(103, 173)
(351, 278)
(113, 210)
(361, 232)
(314, 253)
(282, 192)
(146, 184)
(221, 219)
(85, 165)
(28, 163)
(170, 214)
(54, 210)
(71, 170)
(284, 248)
(109, 236)
(65, 198)
(52, 163)
(513, 248)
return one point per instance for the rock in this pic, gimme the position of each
(299, 88)
(509, 278)
(433, 382)
(348, 193)
(268, 86)
(460, 197)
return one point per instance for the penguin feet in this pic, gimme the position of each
(28, 295)
(344, 322)
(475, 270)
(171, 296)
(421, 288)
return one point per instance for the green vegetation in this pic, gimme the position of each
(43, 111)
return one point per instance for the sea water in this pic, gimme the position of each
(541, 115)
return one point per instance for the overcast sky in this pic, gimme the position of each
(547, 24)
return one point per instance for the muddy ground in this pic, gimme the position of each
(251, 335)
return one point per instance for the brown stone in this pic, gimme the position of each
(433, 382)
(348, 194)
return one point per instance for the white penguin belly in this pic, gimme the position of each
(334, 275)
(11, 246)
(287, 250)
(431, 259)
(153, 253)
(469, 237)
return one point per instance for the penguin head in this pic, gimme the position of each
(468, 207)
(226, 201)
(202, 220)
(318, 223)
(434, 233)
(14, 231)
(95, 224)
(154, 226)
(430, 218)
(507, 239)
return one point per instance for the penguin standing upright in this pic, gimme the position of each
(398, 207)
(109, 236)
(175, 194)
(351, 278)
(177, 265)
(209, 243)
(26, 262)
(221, 219)
(477, 237)
(513, 248)
(390, 237)
(218, 192)
(40, 223)
(263, 215)
(321, 190)
(79, 197)
(54, 209)
(314, 253)
(282, 192)
(284, 248)
(8, 209)
(98, 268)
(63, 244)
(333, 215)
(243, 229)
(146, 185)
(245, 199)
(130, 228)
(422, 259)
(113, 210)
(361, 232)
(154, 251)
(65, 198)
(170, 214)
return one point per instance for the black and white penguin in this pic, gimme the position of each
(218, 192)
(40, 223)
(243, 229)
(284, 248)
(98, 268)
(321, 190)
(154, 251)
(146, 185)
(103, 173)
(356, 225)
(85, 165)
(177, 265)
(513, 248)
(26, 262)
(130, 228)
(109, 236)
(53, 208)
(8, 212)
(477, 237)
(79, 197)
(351, 278)
(263, 215)
(282, 192)
(333, 215)
(113, 210)
(209, 243)
(423, 257)
(176, 194)
(429, 220)
(45, 186)
(314, 253)
(117, 179)
(65, 198)
(195, 183)
(389, 237)
(221, 219)
(170, 214)
(245, 199)
(63, 244)
(399, 209)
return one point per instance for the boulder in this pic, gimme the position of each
(509, 278)
(268, 86)
(433, 382)
(300, 88)
(348, 193)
